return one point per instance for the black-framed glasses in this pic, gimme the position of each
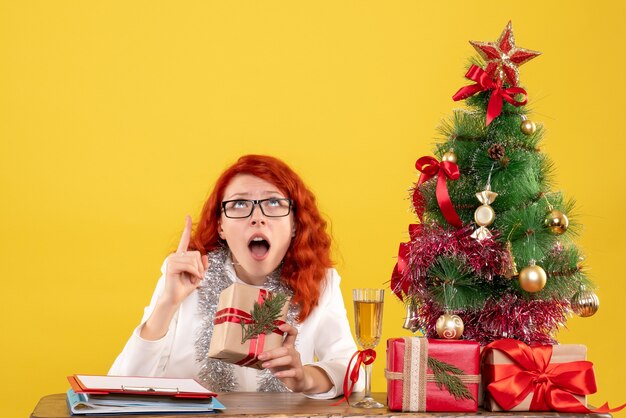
(274, 207)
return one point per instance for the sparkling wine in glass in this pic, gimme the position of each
(368, 322)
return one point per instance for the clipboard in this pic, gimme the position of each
(136, 385)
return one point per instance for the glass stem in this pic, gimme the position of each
(368, 381)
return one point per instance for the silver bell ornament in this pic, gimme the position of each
(411, 322)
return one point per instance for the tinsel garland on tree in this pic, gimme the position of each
(494, 243)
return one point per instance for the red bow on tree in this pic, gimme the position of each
(430, 167)
(553, 385)
(399, 283)
(484, 82)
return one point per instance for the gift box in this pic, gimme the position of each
(432, 375)
(234, 318)
(519, 377)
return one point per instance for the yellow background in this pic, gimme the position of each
(117, 116)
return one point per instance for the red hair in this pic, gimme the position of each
(308, 257)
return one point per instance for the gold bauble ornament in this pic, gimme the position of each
(532, 278)
(585, 303)
(556, 222)
(449, 156)
(449, 327)
(528, 127)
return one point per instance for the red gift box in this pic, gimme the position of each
(411, 383)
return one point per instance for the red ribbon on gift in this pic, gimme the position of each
(484, 82)
(553, 385)
(366, 356)
(430, 167)
(238, 316)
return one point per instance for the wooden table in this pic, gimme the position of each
(254, 404)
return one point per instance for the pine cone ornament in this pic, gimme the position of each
(496, 152)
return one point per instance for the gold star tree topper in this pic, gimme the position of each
(503, 57)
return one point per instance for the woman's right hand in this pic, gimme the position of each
(183, 275)
(184, 271)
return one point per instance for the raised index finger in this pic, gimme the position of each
(186, 237)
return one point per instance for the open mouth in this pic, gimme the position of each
(259, 247)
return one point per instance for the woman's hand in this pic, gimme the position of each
(183, 275)
(284, 362)
(184, 271)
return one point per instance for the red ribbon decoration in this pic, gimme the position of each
(255, 348)
(398, 285)
(238, 316)
(430, 167)
(553, 385)
(366, 356)
(483, 83)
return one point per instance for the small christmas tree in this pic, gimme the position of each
(492, 256)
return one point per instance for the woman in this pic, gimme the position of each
(260, 226)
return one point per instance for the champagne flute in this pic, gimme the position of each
(368, 321)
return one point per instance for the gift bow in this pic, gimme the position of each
(483, 83)
(366, 357)
(553, 385)
(430, 167)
